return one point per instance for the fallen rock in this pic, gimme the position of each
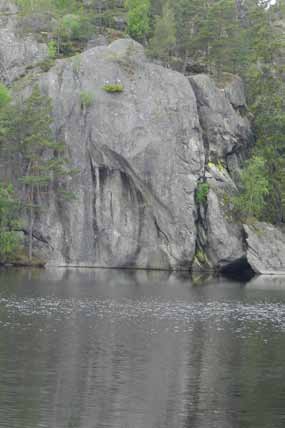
(266, 248)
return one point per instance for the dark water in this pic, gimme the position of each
(108, 349)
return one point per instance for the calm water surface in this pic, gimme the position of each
(109, 349)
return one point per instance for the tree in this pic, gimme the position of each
(41, 156)
(189, 15)
(138, 18)
(164, 37)
(220, 31)
(5, 99)
(9, 221)
(254, 189)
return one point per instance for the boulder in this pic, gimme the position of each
(265, 248)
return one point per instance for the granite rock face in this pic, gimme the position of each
(140, 153)
(266, 248)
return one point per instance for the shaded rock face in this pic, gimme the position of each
(227, 137)
(266, 248)
(140, 153)
(227, 134)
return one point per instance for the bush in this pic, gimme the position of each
(52, 49)
(202, 193)
(86, 99)
(70, 25)
(113, 87)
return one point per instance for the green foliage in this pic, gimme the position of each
(29, 6)
(202, 193)
(138, 18)
(86, 99)
(52, 49)
(255, 187)
(71, 25)
(113, 87)
(164, 38)
(5, 96)
(201, 256)
(9, 213)
(28, 129)
(219, 165)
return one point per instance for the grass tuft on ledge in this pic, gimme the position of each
(113, 87)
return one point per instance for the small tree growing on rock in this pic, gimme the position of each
(164, 38)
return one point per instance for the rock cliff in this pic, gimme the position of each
(141, 155)
(18, 52)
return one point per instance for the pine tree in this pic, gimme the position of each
(9, 221)
(41, 155)
(164, 37)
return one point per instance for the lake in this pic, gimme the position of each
(124, 349)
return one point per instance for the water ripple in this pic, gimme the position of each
(183, 315)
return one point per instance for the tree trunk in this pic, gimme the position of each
(31, 226)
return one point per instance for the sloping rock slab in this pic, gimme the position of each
(266, 248)
(224, 245)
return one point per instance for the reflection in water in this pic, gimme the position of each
(107, 349)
